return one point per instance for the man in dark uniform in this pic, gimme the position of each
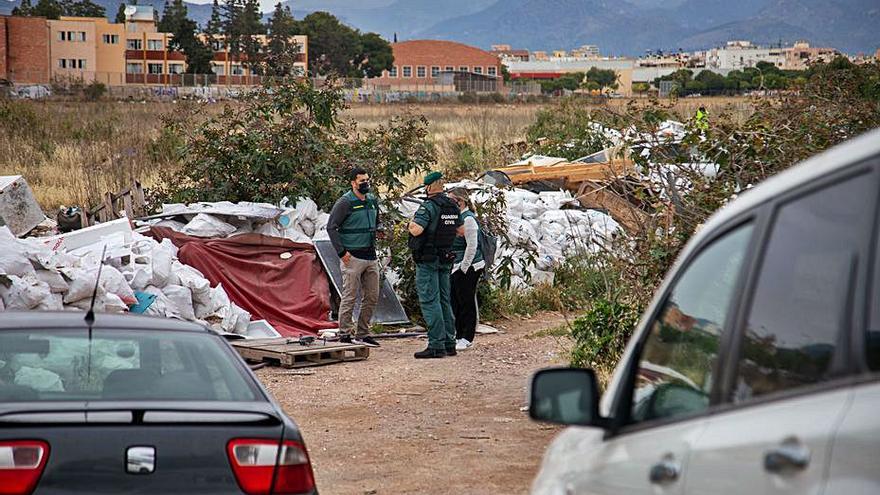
(433, 230)
(352, 228)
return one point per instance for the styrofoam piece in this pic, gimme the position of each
(486, 329)
(19, 210)
(261, 329)
(91, 235)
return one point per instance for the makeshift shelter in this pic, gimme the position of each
(274, 279)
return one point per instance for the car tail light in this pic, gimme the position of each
(253, 462)
(21, 464)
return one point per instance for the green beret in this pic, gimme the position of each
(432, 178)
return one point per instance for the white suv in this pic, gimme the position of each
(756, 369)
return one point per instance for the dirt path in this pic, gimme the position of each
(394, 425)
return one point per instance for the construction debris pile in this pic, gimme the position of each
(554, 209)
(139, 275)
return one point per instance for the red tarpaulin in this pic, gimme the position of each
(292, 293)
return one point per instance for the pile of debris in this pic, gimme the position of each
(139, 275)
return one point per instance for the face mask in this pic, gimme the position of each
(364, 187)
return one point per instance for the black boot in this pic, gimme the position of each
(430, 353)
(450, 351)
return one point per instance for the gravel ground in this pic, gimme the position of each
(395, 425)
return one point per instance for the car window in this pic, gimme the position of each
(46, 365)
(674, 375)
(800, 301)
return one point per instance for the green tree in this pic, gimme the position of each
(332, 45)
(50, 9)
(215, 24)
(120, 14)
(231, 13)
(603, 78)
(282, 50)
(82, 8)
(185, 38)
(375, 55)
(23, 9)
(250, 26)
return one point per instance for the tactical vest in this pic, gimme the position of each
(436, 242)
(460, 244)
(358, 230)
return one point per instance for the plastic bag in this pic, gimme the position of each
(204, 225)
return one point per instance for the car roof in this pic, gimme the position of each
(21, 320)
(811, 169)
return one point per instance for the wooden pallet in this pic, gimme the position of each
(288, 353)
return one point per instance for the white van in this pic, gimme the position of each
(756, 369)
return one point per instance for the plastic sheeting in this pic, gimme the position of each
(291, 293)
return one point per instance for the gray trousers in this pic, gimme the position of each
(358, 276)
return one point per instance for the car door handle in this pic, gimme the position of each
(665, 471)
(791, 455)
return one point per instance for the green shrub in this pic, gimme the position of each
(94, 91)
(601, 334)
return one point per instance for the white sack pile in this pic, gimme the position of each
(34, 277)
(300, 223)
(537, 222)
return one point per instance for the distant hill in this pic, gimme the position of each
(621, 27)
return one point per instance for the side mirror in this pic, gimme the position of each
(566, 396)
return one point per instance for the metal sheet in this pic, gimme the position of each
(388, 311)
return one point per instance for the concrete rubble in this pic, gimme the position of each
(19, 210)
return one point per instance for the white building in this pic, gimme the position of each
(742, 54)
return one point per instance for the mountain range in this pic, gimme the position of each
(620, 27)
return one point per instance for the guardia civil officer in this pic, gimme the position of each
(432, 231)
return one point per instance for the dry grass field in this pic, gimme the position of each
(73, 152)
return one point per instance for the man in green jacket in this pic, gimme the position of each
(352, 227)
(433, 230)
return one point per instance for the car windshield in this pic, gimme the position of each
(65, 365)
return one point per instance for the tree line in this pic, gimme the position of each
(333, 47)
(763, 76)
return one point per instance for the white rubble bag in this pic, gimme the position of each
(204, 225)
(104, 303)
(163, 255)
(113, 282)
(54, 302)
(54, 280)
(181, 298)
(13, 261)
(24, 293)
(81, 283)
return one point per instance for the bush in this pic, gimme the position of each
(94, 91)
(289, 140)
(601, 334)
(566, 131)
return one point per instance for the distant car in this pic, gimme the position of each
(756, 369)
(137, 405)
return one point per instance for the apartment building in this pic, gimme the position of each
(86, 49)
(34, 50)
(801, 55)
(738, 55)
(24, 50)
